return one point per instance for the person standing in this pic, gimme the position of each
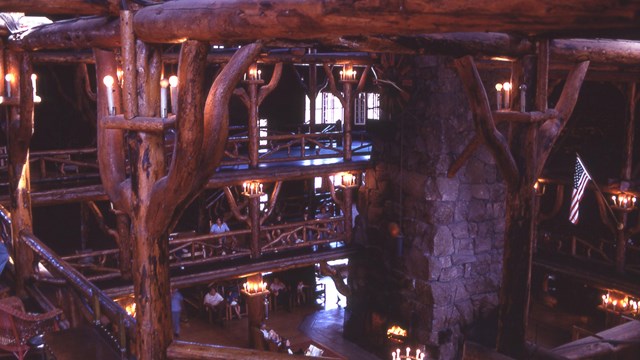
(176, 310)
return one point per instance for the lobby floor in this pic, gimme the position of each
(303, 325)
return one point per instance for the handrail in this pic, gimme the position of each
(89, 291)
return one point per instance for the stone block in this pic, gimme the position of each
(481, 191)
(443, 241)
(443, 212)
(448, 189)
(477, 210)
(451, 273)
(460, 229)
(462, 211)
(458, 259)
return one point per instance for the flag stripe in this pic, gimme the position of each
(580, 179)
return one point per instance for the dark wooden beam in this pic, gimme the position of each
(81, 33)
(247, 20)
(61, 7)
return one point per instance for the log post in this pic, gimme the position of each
(123, 228)
(154, 197)
(252, 101)
(19, 131)
(313, 95)
(255, 309)
(622, 235)
(253, 132)
(348, 223)
(348, 118)
(347, 99)
(254, 215)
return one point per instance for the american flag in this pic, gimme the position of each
(580, 179)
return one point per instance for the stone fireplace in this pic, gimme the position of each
(445, 273)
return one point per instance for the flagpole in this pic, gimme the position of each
(619, 225)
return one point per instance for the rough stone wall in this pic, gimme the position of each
(449, 272)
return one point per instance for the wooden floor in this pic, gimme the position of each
(320, 325)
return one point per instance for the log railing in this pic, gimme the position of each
(91, 294)
(303, 234)
(596, 251)
(59, 165)
(189, 249)
(292, 147)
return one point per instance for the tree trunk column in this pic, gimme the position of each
(123, 227)
(621, 241)
(255, 307)
(254, 213)
(19, 131)
(253, 132)
(348, 223)
(348, 117)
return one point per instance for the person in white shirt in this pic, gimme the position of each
(214, 302)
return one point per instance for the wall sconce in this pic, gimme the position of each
(254, 286)
(498, 96)
(345, 180)
(539, 188)
(407, 355)
(164, 94)
(252, 189)
(173, 87)
(619, 302)
(348, 73)
(34, 80)
(507, 95)
(624, 202)
(108, 82)
(8, 79)
(255, 74)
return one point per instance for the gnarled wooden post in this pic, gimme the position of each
(156, 195)
(19, 131)
(521, 165)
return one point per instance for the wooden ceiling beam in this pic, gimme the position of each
(61, 7)
(81, 33)
(247, 20)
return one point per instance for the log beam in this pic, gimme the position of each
(297, 19)
(139, 123)
(61, 7)
(83, 33)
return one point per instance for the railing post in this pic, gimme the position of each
(96, 307)
(122, 337)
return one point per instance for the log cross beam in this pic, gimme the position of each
(485, 119)
(252, 101)
(255, 218)
(532, 148)
(235, 209)
(347, 98)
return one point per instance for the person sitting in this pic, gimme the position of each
(279, 291)
(214, 303)
(232, 300)
(218, 228)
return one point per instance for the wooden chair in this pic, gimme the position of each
(18, 326)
